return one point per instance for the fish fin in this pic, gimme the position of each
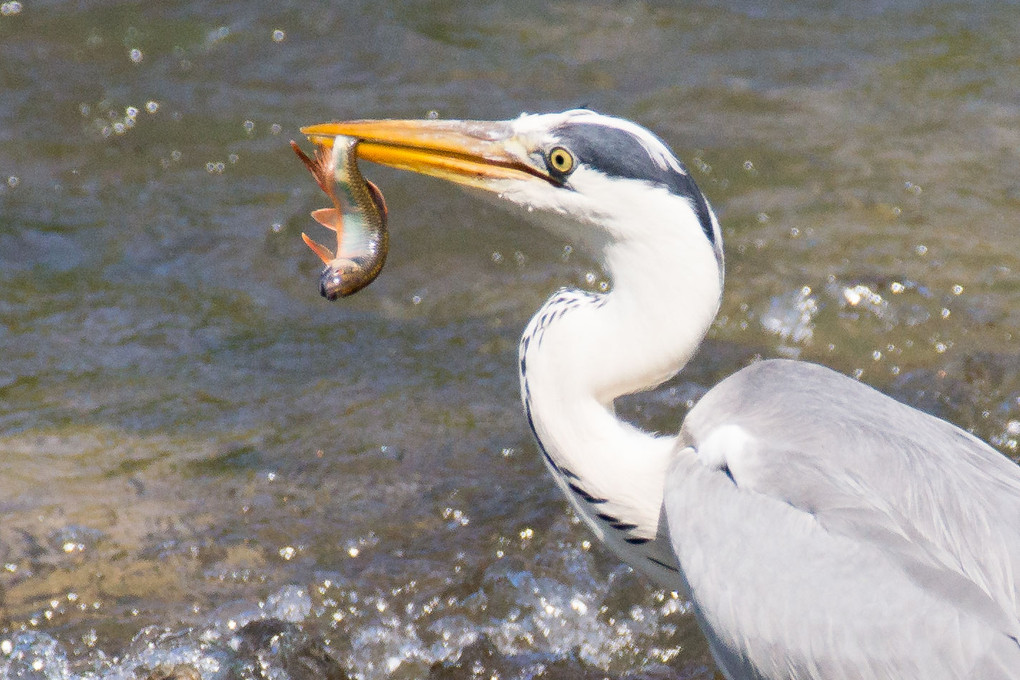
(319, 167)
(331, 218)
(378, 198)
(309, 163)
(322, 251)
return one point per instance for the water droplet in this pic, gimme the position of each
(152, 106)
(275, 128)
(432, 115)
(10, 8)
(921, 249)
(277, 227)
(135, 55)
(249, 126)
(957, 289)
(287, 552)
(701, 165)
(131, 112)
(279, 36)
(13, 181)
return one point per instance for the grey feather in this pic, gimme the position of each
(886, 542)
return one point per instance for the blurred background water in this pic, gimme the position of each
(208, 470)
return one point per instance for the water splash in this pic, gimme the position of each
(791, 316)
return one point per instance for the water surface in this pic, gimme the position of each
(207, 464)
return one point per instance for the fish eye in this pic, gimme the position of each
(559, 160)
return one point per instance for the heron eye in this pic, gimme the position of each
(560, 161)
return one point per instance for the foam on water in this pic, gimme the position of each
(527, 618)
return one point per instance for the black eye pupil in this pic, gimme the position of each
(560, 160)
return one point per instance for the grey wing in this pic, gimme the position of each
(828, 531)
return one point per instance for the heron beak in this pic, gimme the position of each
(473, 153)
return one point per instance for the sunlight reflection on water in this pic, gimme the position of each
(195, 443)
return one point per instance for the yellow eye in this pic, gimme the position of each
(560, 161)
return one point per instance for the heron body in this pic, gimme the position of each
(821, 529)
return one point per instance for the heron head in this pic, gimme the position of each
(592, 179)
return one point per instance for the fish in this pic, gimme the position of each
(359, 219)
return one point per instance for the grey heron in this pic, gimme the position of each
(820, 528)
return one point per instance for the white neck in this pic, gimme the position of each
(581, 351)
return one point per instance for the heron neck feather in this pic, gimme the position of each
(582, 351)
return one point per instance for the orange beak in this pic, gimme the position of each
(474, 153)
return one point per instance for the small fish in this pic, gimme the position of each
(361, 237)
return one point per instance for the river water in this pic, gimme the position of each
(208, 470)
